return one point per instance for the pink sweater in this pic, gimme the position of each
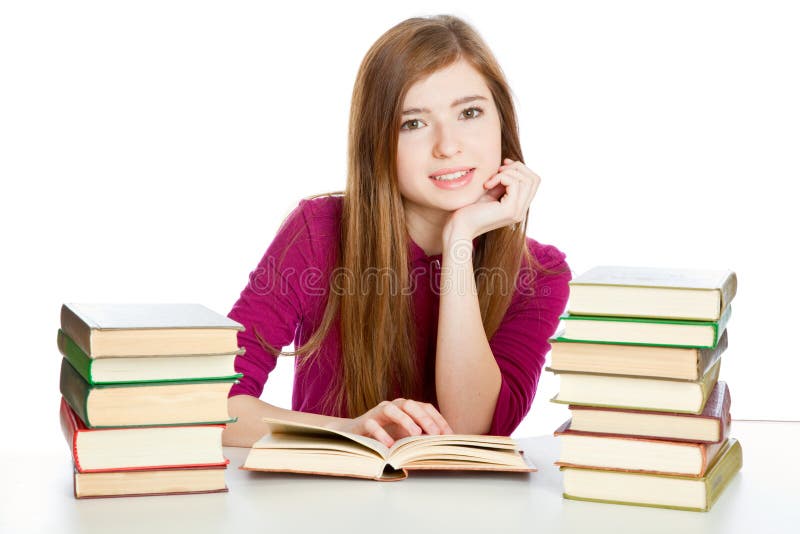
(285, 298)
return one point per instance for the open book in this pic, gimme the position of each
(301, 448)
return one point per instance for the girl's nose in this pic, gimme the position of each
(446, 145)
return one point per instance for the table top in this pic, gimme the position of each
(763, 497)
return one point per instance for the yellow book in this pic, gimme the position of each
(661, 491)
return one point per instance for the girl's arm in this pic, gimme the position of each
(468, 378)
(467, 375)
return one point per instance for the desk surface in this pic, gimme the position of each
(763, 498)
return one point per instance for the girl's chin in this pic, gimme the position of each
(447, 201)
(454, 204)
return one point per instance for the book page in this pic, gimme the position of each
(319, 444)
(445, 453)
(480, 440)
(278, 426)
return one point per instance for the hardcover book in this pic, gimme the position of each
(708, 427)
(635, 360)
(148, 404)
(121, 449)
(692, 294)
(301, 448)
(153, 482)
(662, 491)
(636, 393)
(654, 332)
(113, 330)
(117, 370)
(634, 454)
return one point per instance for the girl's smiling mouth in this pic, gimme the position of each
(453, 178)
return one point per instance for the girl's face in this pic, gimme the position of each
(449, 125)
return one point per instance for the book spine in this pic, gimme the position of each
(708, 451)
(75, 390)
(70, 428)
(76, 328)
(729, 463)
(720, 326)
(708, 382)
(728, 291)
(706, 358)
(725, 415)
(72, 352)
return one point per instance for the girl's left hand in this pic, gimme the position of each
(507, 196)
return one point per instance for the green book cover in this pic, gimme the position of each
(76, 390)
(718, 328)
(82, 363)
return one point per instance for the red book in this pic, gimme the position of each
(634, 454)
(141, 448)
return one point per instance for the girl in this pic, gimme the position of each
(415, 300)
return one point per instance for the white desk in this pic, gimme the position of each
(763, 498)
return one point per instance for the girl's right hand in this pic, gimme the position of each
(389, 421)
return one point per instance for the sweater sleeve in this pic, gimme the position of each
(271, 305)
(521, 344)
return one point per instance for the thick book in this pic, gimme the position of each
(652, 292)
(117, 370)
(162, 329)
(637, 360)
(710, 426)
(635, 331)
(153, 482)
(121, 449)
(634, 454)
(661, 491)
(301, 448)
(148, 404)
(637, 393)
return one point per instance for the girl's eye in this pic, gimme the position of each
(407, 125)
(473, 112)
(470, 113)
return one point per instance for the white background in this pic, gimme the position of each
(149, 151)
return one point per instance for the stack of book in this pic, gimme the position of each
(144, 397)
(638, 360)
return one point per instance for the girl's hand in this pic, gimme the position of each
(507, 196)
(389, 421)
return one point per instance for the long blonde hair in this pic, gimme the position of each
(376, 323)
